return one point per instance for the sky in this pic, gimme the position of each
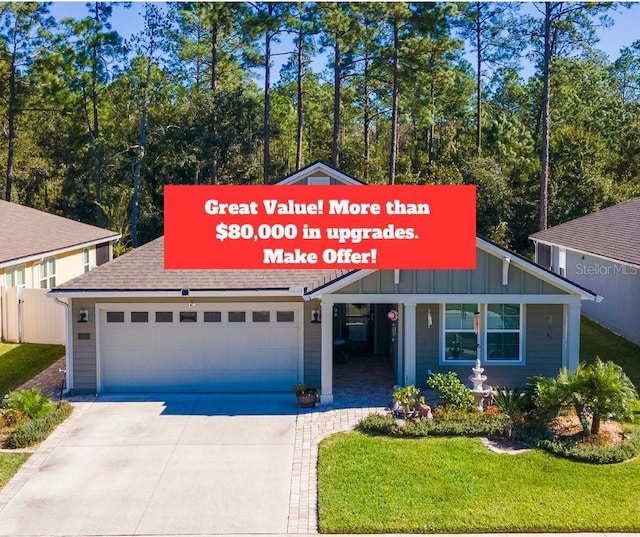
(624, 32)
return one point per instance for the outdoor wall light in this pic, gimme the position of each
(315, 316)
(83, 315)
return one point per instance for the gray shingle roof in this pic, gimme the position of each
(613, 232)
(28, 232)
(143, 270)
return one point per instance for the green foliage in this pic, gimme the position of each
(444, 423)
(546, 397)
(407, 399)
(509, 401)
(31, 403)
(9, 465)
(451, 391)
(38, 429)
(595, 450)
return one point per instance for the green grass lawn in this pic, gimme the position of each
(21, 362)
(598, 341)
(9, 464)
(449, 485)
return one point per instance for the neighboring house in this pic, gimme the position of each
(136, 327)
(38, 251)
(601, 251)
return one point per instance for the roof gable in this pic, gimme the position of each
(30, 233)
(311, 173)
(613, 233)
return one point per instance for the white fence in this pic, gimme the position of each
(27, 315)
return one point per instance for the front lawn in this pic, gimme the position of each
(9, 464)
(20, 362)
(375, 484)
(598, 341)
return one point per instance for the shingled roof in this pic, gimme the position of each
(143, 270)
(28, 232)
(613, 233)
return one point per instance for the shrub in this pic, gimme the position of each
(445, 423)
(36, 430)
(545, 397)
(595, 452)
(451, 391)
(31, 403)
(407, 400)
(511, 402)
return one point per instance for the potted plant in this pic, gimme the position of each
(307, 396)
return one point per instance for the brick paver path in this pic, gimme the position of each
(49, 381)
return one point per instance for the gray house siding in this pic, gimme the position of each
(543, 348)
(618, 283)
(486, 279)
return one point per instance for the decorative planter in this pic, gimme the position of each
(307, 400)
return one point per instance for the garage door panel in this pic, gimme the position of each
(201, 356)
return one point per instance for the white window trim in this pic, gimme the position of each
(45, 263)
(485, 331)
(13, 270)
(86, 263)
(443, 337)
(482, 339)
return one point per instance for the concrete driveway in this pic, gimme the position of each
(200, 464)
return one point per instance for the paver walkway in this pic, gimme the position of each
(49, 381)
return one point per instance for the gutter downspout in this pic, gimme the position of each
(67, 347)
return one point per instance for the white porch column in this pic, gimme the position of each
(572, 324)
(326, 363)
(409, 336)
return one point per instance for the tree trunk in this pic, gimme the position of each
(479, 84)
(394, 107)
(366, 119)
(337, 76)
(300, 126)
(11, 113)
(95, 130)
(546, 97)
(432, 127)
(595, 423)
(214, 89)
(267, 98)
(141, 152)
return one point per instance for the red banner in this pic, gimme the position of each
(319, 227)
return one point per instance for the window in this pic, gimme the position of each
(86, 260)
(14, 276)
(237, 317)
(188, 316)
(139, 316)
(115, 316)
(504, 325)
(562, 261)
(284, 317)
(212, 317)
(48, 273)
(164, 316)
(460, 341)
(260, 316)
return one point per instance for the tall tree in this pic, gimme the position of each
(149, 44)
(23, 33)
(485, 25)
(566, 27)
(268, 20)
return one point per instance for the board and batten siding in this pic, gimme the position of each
(312, 345)
(84, 350)
(485, 279)
(543, 348)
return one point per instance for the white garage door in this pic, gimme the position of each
(202, 348)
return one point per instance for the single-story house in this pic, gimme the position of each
(39, 250)
(602, 252)
(135, 327)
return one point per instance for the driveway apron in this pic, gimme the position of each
(162, 465)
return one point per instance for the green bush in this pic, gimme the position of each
(31, 403)
(36, 430)
(511, 402)
(594, 453)
(451, 391)
(453, 423)
(407, 400)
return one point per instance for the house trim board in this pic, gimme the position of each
(583, 252)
